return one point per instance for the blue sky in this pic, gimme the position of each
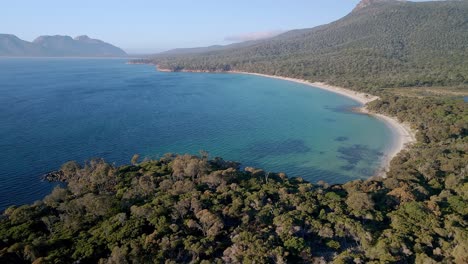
(141, 26)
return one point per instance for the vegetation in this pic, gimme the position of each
(191, 209)
(394, 44)
(421, 92)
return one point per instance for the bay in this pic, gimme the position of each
(53, 110)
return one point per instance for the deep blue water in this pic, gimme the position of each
(55, 110)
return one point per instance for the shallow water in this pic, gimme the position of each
(55, 110)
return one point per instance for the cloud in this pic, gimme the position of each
(253, 36)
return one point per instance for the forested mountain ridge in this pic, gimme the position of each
(57, 46)
(382, 44)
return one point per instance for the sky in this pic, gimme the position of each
(148, 26)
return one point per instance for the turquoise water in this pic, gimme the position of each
(55, 110)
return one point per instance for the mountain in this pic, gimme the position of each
(57, 46)
(381, 43)
(11, 45)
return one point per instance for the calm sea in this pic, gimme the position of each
(55, 110)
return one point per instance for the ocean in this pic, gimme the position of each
(53, 110)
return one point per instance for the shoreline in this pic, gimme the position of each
(362, 98)
(403, 137)
(403, 134)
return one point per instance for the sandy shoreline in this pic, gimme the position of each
(403, 134)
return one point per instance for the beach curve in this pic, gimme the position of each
(403, 134)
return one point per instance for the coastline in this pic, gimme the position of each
(362, 98)
(403, 134)
(403, 137)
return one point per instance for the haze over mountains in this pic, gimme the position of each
(57, 46)
(381, 43)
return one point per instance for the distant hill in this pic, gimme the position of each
(57, 46)
(11, 45)
(381, 43)
(181, 51)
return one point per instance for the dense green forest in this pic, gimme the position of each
(391, 44)
(190, 209)
(197, 209)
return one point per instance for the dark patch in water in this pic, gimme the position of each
(341, 139)
(340, 109)
(322, 152)
(356, 153)
(331, 120)
(276, 148)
